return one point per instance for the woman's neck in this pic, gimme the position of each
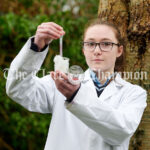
(103, 76)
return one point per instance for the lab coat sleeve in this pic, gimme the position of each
(24, 87)
(113, 124)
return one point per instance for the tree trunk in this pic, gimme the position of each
(133, 19)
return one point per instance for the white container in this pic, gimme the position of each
(61, 63)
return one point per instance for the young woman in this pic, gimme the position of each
(102, 112)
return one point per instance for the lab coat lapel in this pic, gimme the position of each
(111, 89)
(89, 83)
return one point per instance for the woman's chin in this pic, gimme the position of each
(96, 69)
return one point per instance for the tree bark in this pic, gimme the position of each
(115, 11)
(133, 19)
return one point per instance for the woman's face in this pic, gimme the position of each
(99, 60)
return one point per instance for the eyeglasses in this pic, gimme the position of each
(104, 46)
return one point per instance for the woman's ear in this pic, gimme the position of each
(120, 51)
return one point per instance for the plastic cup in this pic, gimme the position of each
(61, 63)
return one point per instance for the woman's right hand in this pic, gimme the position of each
(46, 32)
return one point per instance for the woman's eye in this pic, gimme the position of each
(106, 43)
(91, 44)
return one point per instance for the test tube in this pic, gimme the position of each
(61, 46)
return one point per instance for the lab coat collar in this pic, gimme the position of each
(118, 80)
(112, 87)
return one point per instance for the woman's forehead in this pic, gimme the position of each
(100, 32)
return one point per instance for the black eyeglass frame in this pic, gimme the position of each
(98, 43)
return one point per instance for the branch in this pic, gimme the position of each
(5, 145)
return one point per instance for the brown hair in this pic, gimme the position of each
(120, 61)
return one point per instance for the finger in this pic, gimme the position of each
(50, 32)
(57, 26)
(64, 76)
(52, 74)
(44, 35)
(53, 24)
(57, 75)
(60, 32)
(63, 84)
(56, 29)
(61, 88)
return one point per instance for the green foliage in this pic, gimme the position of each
(21, 129)
(26, 3)
(15, 30)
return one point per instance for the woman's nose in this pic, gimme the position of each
(97, 50)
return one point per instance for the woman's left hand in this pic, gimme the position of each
(63, 84)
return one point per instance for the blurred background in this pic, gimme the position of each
(23, 130)
(20, 129)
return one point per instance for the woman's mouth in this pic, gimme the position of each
(98, 60)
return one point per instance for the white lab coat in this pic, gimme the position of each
(89, 122)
